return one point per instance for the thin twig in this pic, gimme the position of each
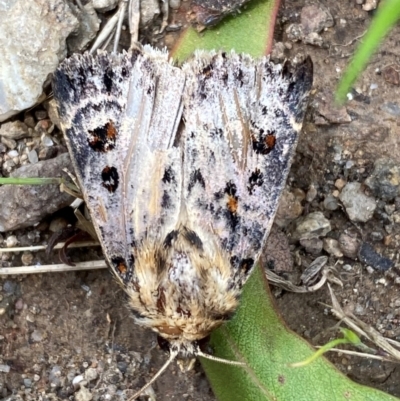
(58, 268)
(362, 328)
(362, 354)
(134, 20)
(123, 6)
(35, 248)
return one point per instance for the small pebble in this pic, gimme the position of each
(331, 203)
(47, 141)
(27, 383)
(4, 368)
(40, 114)
(19, 304)
(340, 183)
(91, 374)
(33, 157)
(11, 241)
(76, 380)
(359, 206)
(332, 247)
(10, 287)
(349, 245)
(311, 193)
(37, 336)
(27, 258)
(347, 268)
(12, 153)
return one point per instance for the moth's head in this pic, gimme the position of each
(185, 352)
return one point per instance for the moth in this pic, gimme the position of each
(182, 170)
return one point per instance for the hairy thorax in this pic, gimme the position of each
(183, 288)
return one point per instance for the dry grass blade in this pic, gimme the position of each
(288, 286)
(363, 329)
(92, 265)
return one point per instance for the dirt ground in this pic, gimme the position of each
(55, 327)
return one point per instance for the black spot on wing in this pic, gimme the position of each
(231, 206)
(169, 175)
(103, 138)
(165, 201)
(246, 265)
(255, 180)
(123, 268)
(110, 178)
(262, 141)
(196, 178)
(108, 78)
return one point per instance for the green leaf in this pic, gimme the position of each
(256, 335)
(387, 15)
(249, 32)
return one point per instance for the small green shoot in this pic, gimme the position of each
(388, 14)
(349, 337)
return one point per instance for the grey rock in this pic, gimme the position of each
(10, 143)
(278, 52)
(289, 209)
(376, 236)
(370, 257)
(14, 130)
(327, 111)
(83, 394)
(311, 193)
(25, 205)
(391, 108)
(295, 32)
(385, 179)
(10, 287)
(37, 336)
(332, 246)
(314, 225)
(149, 11)
(89, 25)
(33, 156)
(331, 203)
(349, 244)
(32, 39)
(315, 18)
(358, 205)
(55, 376)
(8, 165)
(27, 382)
(174, 4)
(91, 374)
(105, 5)
(313, 39)
(370, 5)
(312, 245)
(4, 368)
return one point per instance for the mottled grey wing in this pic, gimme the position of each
(120, 114)
(242, 120)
